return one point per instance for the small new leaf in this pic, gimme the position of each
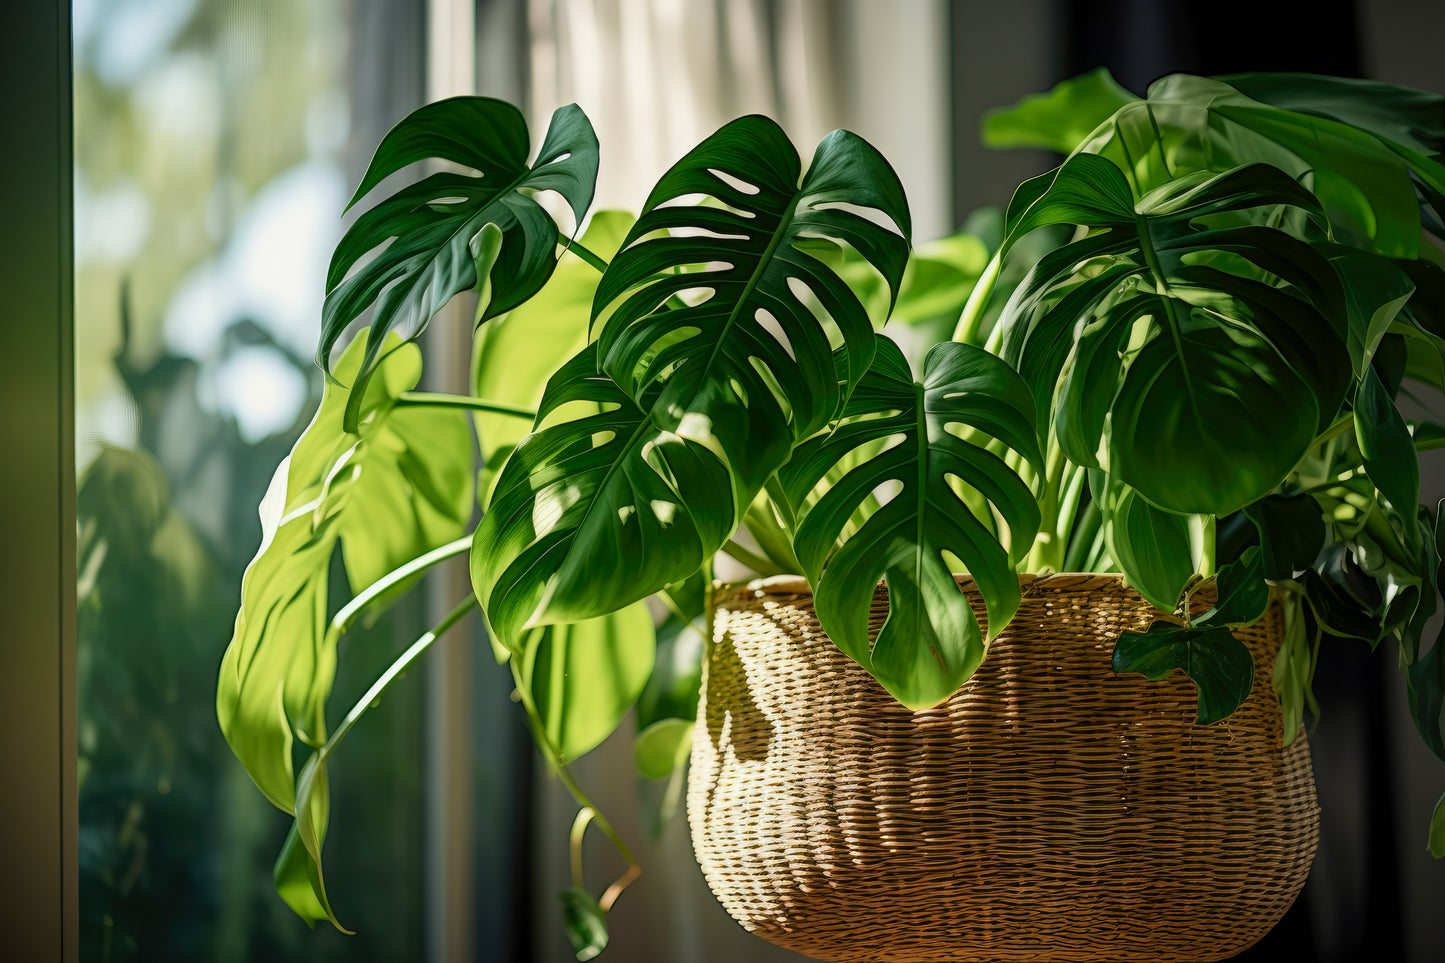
(585, 922)
(1218, 663)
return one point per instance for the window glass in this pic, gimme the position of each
(214, 143)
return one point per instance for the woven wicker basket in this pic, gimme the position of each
(1047, 811)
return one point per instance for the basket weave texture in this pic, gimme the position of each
(1049, 810)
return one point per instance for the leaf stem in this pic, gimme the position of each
(746, 556)
(971, 319)
(341, 622)
(554, 760)
(580, 249)
(436, 399)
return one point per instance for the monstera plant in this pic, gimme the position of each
(1202, 347)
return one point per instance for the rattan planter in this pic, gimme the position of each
(1048, 811)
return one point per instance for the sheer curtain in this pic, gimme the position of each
(656, 77)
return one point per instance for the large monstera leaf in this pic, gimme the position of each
(401, 488)
(716, 353)
(948, 489)
(1154, 342)
(452, 232)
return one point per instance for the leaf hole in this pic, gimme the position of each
(733, 181)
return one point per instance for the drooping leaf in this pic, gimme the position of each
(1241, 591)
(399, 489)
(1337, 612)
(1058, 120)
(702, 400)
(514, 356)
(1427, 697)
(298, 874)
(1153, 548)
(585, 676)
(662, 747)
(1376, 289)
(1389, 453)
(1174, 332)
(673, 689)
(930, 641)
(452, 232)
(1218, 663)
(1291, 530)
(1436, 841)
(585, 922)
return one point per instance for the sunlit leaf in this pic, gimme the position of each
(585, 676)
(1060, 119)
(662, 747)
(451, 231)
(398, 489)
(697, 402)
(930, 641)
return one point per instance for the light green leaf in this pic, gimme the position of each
(1060, 119)
(514, 356)
(698, 400)
(428, 237)
(1376, 289)
(930, 641)
(584, 677)
(662, 748)
(1218, 664)
(399, 489)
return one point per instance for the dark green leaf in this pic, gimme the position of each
(1060, 119)
(1375, 290)
(1427, 697)
(1337, 612)
(1388, 452)
(452, 232)
(1242, 592)
(930, 641)
(662, 747)
(673, 688)
(585, 922)
(1436, 843)
(1217, 662)
(1174, 331)
(1292, 531)
(702, 400)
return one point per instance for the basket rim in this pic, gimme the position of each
(797, 585)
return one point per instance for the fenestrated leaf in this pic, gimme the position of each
(1242, 594)
(1060, 119)
(585, 676)
(1173, 328)
(930, 641)
(399, 489)
(428, 237)
(702, 401)
(514, 356)
(585, 922)
(757, 280)
(1218, 663)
